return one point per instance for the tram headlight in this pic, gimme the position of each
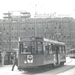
(25, 62)
(25, 59)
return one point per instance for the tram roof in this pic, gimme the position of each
(72, 50)
(44, 39)
(54, 41)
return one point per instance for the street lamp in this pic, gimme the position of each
(8, 16)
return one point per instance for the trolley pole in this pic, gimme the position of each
(35, 31)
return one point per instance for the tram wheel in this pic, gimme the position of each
(50, 66)
(62, 63)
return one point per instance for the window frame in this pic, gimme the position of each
(37, 47)
(31, 52)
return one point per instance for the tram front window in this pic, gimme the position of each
(39, 47)
(28, 47)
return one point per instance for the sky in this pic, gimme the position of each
(40, 6)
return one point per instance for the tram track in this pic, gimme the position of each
(53, 71)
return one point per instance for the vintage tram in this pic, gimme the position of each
(71, 53)
(38, 52)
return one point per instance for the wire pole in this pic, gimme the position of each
(35, 29)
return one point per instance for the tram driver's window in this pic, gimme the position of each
(33, 47)
(26, 47)
(40, 50)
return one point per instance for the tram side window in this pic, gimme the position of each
(70, 52)
(53, 49)
(0, 57)
(33, 47)
(62, 49)
(74, 51)
(47, 49)
(21, 48)
(40, 46)
(50, 49)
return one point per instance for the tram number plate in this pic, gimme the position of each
(30, 58)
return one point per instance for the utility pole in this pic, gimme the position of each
(1, 49)
(35, 29)
(8, 16)
(70, 34)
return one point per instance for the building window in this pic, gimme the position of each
(12, 28)
(64, 36)
(4, 29)
(7, 32)
(29, 28)
(12, 36)
(32, 28)
(55, 27)
(46, 27)
(59, 26)
(15, 37)
(24, 28)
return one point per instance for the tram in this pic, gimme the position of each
(38, 52)
(71, 53)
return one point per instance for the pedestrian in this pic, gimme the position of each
(15, 62)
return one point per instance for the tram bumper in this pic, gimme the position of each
(26, 67)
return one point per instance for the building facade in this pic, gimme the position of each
(61, 29)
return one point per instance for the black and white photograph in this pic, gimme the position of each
(37, 37)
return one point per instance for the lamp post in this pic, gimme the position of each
(8, 16)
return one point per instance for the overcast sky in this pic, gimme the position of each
(39, 6)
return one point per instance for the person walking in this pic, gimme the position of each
(15, 62)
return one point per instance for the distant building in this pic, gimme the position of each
(13, 27)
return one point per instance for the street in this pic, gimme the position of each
(67, 69)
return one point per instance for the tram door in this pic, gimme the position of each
(57, 55)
